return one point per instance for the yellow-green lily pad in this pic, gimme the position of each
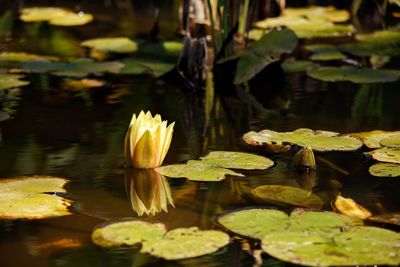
(237, 160)
(8, 81)
(196, 171)
(386, 154)
(391, 141)
(385, 170)
(183, 243)
(30, 198)
(292, 65)
(355, 75)
(141, 66)
(127, 233)
(24, 57)
(372, 139)
(316, 140)
(282, 194)
(113, 45)
(55, 15)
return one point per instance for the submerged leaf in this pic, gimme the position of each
(386, 154)
(184, 243)
(237, 160)
(26, 197)
(350, 208)
(113, 45)
(8, 81)
(385, 170)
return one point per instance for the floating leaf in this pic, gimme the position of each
(317, 140)
(113, 45)
(196, 171)
(385, 170)
(386, 154)
(4, 116)
(350, 208)
(237, 160)
(392, 141)
(8, 81)
(167, 48)
(264, 52)
(127, 233)
(140, 66)
(292, 65)
(373, 139)
(26, 197)
(55, 16)
(282, 194)
(83, 84)
(326, 56)
(24, 57)
(329, 13)
(183, 243)
(390, 218)
(355, 75)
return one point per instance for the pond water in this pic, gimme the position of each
(79, 136)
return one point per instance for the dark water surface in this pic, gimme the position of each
(79, 136)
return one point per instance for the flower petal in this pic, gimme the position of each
(145, 152)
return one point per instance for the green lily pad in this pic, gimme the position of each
(259, 222)
(356, 246)
(167, 48)
(26, 198)
(329, 13)
(389, 218)
(113, 45)
(326, 56)
(355, 75)
(385, 170)
(8, 81)
(77, 68)
(196, 170)
(55, 15)
(372, 139)
(237, 160)
(127, 233)
(141, 66)
(183, 243)
(264, 52)
(291, 65)
(24, 57)
(281, 194)
(392, 141)
(386, 154)
(316, 140)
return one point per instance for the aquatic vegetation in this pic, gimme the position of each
(386, 154)
(304, 159)
(317, 140)
(391, 141)
(24, 57)
(147, 140)
(27, 198)
(292, 65)
(237, 160)
(8, 81)
(372, 139)
(350, 208)
(113, 45)
(145, 66)
(55, 16)
(287, 195)
(385, 170)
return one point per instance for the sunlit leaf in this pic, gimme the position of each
(385, 170)
(391, 141)
(72, 19)
(326, 56)
(316, 140)
(127, 233)
(113, 45)
(237, 160)
(30, 198)
(350, 208)
(183, 243)
(329, 13)
(372, 139)
(352, 74)
(282, 194)
(8, 81)
(55, 15)
(386, 154)
(292, 65)
(24, 57)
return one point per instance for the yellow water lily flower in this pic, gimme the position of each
(147, 140)
(350, 208)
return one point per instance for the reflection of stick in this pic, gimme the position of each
(332, 165)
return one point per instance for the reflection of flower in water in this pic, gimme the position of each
(149, 192)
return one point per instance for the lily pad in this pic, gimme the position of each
(389, 218)
(372, 139)
(355, 75)
(24, 57)
(385, 170)
(326, 56)
(196, 171)
(127, 233)
(27, 198)
(264, 52)
(287, 195)
(4, 116)
(113, 45)
(237, 160)
(141, 66)
(392, 141)
(386, 154)
(316, 140)
(55, 15)
(8, 81)
(183, 243)
(291, 65)
(167, 48)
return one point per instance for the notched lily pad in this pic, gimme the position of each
(355, 75)
(55, 15)
(196, 171)
(183, 243)
(316, 140)
(372, 139)
(281, 194)
(237, 160)
(113, 45)
(127, 233)
(8, 81)
(386, 154)
(385, 170)
(28, 198)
